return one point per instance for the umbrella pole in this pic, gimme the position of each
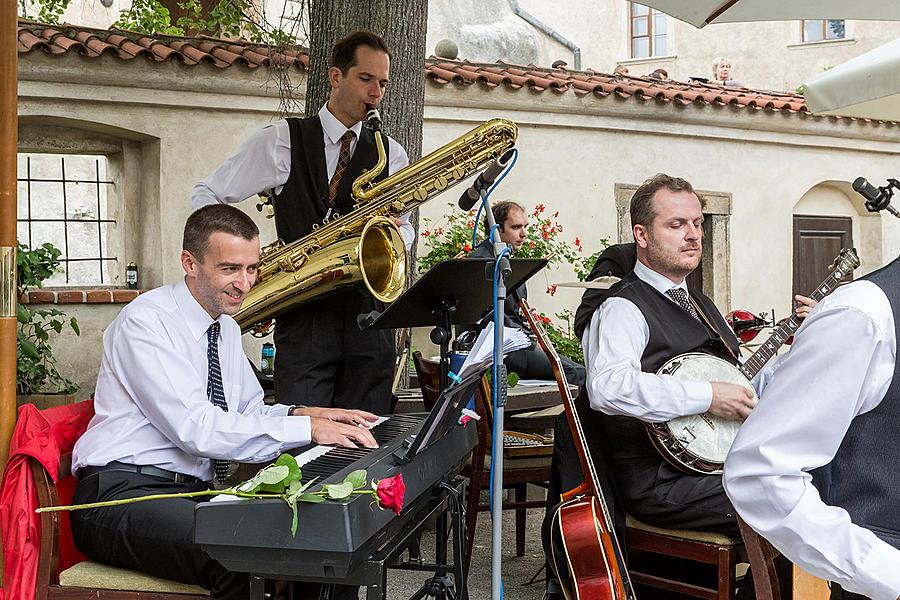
(8, 145)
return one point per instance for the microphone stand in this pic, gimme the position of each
(500, 390)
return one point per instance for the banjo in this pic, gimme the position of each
(698, 444)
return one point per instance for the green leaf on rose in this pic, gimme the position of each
(287, 460)
(312, 498)
(357, 478)
(339, 491)
(269, 479)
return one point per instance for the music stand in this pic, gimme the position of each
(451, 292)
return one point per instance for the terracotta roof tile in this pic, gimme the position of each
(220, 53)
(127, 45)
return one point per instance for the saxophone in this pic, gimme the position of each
(365, 246)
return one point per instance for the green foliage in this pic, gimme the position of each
(283, 479)
(225, 18)
(148, 16)
(35, 365)
(451, 237)
(562, 335)
(48, 11)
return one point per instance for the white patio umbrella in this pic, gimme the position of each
(703, 12)
(867, 86)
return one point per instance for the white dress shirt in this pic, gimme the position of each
(263, 162)
(151, 404)
(840, 366)
(613, 345)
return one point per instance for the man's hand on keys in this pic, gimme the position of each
(332, 433)
(341, 415)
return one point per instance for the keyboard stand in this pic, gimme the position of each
(446, 497)
(372, 572)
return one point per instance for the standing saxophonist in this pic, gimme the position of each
(309, 165)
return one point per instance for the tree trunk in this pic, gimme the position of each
(402, 23)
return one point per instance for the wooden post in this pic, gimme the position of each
(8, 145)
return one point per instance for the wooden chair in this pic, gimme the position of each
(762, 566)
(518, 471)
(89, 579)
(707, 548)
(428, 373)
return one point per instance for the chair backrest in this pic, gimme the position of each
(48, 495)
(762, 566)
(429, 375)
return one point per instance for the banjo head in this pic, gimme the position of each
(704, 436)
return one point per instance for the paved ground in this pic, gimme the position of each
(516, 571)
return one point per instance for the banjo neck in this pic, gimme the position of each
(843, 264)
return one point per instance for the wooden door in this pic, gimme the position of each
(817, 241)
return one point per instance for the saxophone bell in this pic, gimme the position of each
(373, 118)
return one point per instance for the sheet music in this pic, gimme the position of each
(482, 352)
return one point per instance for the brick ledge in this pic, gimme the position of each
(81, 296)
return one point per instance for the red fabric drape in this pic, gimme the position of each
(43, 435)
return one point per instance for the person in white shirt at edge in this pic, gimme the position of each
(635, 331)
(171, 359)
(309, 165)
(814, 468)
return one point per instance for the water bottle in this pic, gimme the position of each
(267, 362)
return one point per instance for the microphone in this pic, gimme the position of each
(373, 118)
(877, 198)
(484, 181)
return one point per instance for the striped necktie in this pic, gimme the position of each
(214, 390)
(681, 299)
(343, 161)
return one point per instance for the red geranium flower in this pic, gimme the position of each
(390, 493)
(467, 248)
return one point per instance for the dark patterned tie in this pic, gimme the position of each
(214, 390)
(681, 299)
(343, 161)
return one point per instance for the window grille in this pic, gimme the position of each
(67, 200)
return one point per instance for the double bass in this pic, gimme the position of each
(587, 557)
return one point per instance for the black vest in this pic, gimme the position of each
(862, 477)
(672, 332)
(303, 201)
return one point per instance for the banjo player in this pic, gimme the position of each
(648, 318)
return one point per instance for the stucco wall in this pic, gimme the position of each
(764, 55)
(574, 151)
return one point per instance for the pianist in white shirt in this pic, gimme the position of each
(160, 426)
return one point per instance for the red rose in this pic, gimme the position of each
(390, 493)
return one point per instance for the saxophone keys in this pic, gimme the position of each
(420, 194)
(441, 182)
(458, 172)
(397, 207)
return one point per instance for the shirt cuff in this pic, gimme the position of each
(878, 576)
(698, 397)
(296, 431)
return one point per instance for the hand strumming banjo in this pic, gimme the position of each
(699, 443)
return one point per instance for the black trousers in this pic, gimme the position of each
(839, 593)
(155, 536)
(324, 359)
(532, 363)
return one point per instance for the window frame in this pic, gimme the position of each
(652, 13)
(823, 30)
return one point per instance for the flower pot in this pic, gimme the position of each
(43, 401)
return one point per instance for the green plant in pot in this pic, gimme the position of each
(37, 379)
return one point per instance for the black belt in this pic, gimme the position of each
(150, 470)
